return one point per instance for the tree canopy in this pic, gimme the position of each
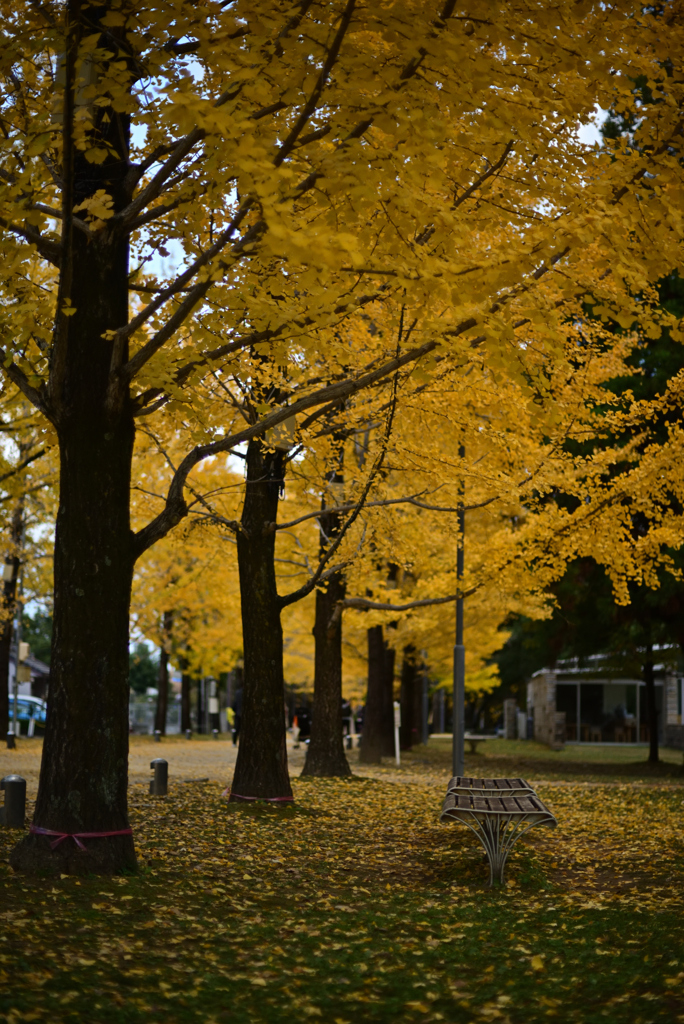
(255, 230)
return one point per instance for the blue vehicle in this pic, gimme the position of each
(28, 708)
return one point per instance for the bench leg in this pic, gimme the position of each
(499, 836)
(491, 835)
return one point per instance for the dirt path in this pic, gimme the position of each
(188, 759)
(215, 760)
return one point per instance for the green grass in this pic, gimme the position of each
(615, 762)
(356, 905)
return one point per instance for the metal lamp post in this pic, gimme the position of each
(17, 634)
(458, 743)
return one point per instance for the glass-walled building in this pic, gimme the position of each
(585, 705)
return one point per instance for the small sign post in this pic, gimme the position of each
(397, 726)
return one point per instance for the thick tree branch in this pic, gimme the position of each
(23, 464)
(323, 76)
(194, 295)
(297, 595)
(380, 503)
(485, 175)
(18, 377)
(383, 606)
(176, 507)
(212, 355)
(49, 250)
(153, 189)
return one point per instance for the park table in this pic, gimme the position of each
(498, 811)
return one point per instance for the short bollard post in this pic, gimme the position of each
(188, 734)
(11, 742)
(13, 814)
(215, 733)
(157, 735)
(350, 743)
(160, 782)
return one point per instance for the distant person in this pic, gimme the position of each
(346, 717)
(237, 713)
(304, 723)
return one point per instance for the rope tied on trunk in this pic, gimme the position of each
(267, 799)
(76, 836)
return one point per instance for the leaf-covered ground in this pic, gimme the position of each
(357, 905)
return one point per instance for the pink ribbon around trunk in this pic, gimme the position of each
(76, 836)
(268, 799)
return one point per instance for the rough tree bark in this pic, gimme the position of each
(408, 733)
(651, 707)
(373, 736)
(325, 754)
(261, 767)
(83, 777)
(163, 680)
(9, 597)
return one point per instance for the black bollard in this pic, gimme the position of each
(215, 733)
(160, 782)
(350, 743)
(11, 742)
(188, 734)
(157, 736)
(13, 814)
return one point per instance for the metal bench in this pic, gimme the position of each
(499, 812)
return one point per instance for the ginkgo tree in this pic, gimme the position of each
(465, 437)
(196, 196)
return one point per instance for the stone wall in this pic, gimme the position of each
(674, 736)
(510, 719)
(549, 724)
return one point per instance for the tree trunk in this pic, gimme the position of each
(163, 683)
(200, 706)
(651, 709)
(325, 755)
(84, 770)
(418, 710)
(372, 737)
(186, 683)
(261, 767)
(9, 606)
(408, 734)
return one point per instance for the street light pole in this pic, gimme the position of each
(458, 742)
(20, 613)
